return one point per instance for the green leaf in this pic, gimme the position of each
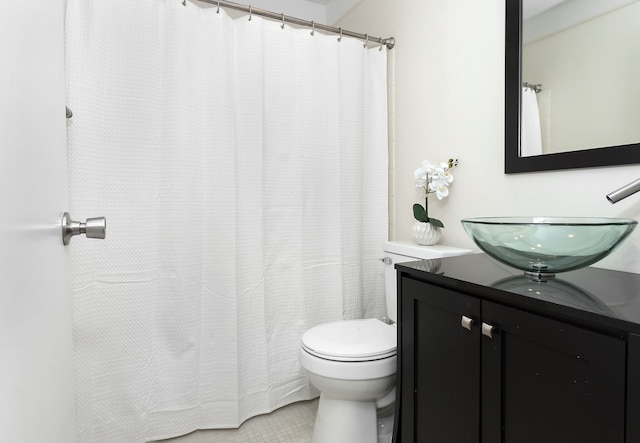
(435, 222)
(419, 213)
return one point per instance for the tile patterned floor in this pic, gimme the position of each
(290, 424)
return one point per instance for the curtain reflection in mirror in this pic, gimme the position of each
(530, 135)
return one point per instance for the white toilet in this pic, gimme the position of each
(353, 362)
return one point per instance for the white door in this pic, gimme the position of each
(36, 356)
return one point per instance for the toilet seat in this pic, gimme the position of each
(351, 340)
(348, 370)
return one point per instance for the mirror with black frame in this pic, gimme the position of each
(606, 85)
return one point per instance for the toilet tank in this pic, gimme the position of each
(404, 251)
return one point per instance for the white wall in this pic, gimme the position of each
(448, 79)
(301, 9)
(326, 12)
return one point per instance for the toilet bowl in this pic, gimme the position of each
(353, 363)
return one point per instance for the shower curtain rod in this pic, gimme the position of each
(388, 42)
(536, 88)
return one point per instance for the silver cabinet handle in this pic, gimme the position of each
(487, 330)
(92, 228)
(466, 322)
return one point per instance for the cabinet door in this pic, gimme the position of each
(547, 381)
(440, 365)
(633, 389)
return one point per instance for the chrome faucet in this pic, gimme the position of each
(624, 192)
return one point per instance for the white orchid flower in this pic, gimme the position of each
(440, 186)
(434, 179)
(428, 166)
(448, 177)
(438, 174)
(421, 178)
(442, 191)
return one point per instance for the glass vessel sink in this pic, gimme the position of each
(544, 246)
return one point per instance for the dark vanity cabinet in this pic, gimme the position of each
(533, 363)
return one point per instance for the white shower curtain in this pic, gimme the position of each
(242, 169)
(530, 129)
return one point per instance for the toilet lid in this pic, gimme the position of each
(351, 340)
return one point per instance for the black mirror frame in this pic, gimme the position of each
(605, 156)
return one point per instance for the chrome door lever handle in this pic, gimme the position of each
(92, 228)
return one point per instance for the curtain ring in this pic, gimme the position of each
(380, 41)
(340, 38)
(366, 40)
(218, 11)
(313, 27)
(250, 12)
(282, 26)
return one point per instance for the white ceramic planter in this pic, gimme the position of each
(425, 233)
